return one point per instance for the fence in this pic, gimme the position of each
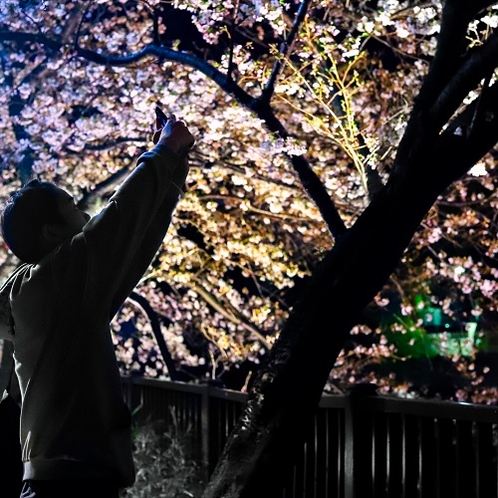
(362, 445)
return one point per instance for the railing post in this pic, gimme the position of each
(358, 451)
(130, 393)
(205, 432)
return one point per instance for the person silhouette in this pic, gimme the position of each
(77, 270)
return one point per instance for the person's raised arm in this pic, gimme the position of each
(158, 226)
(121, 241)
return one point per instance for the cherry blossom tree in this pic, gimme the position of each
(344, 164)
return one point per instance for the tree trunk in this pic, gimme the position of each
(286, 391)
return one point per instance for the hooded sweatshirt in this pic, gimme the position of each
(74, 422)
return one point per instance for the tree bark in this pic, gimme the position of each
(285, 392)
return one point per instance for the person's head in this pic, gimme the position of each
(37, 218)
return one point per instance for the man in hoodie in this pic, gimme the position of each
(75, 428)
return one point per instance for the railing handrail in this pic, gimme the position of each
(187, 387)
(415, 443)
(390, 404)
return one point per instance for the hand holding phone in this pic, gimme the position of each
(161, 117)
(169, 126)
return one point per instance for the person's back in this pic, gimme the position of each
(74, 421)
(11, 468)
(75, 426)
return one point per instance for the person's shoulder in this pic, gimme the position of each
(66, 263)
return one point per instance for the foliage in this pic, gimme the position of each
(76, 108)
(163, 466)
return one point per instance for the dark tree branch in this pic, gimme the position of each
(454, 72)
(480, 108)
(451, 47)
(105, 145)
(72, 26)
(479, 65)
(457, 151)
(155, 26)
(230, 68)
(143, 304)
(108, 185)
(315, 188)
(286, 390)
(22, 37)
(268, 90)
(313, 185)
(80, 24)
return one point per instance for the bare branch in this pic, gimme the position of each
(459, 150)
(103, 188)
(451, 48)
(105, 145)
(143, 304)
(481, 63)
(230, 69)
(21, 37)
(284, 49)
(73, 22)
(308, 177)
(454, 72)
(231, 314)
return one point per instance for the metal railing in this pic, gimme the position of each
(362, 445)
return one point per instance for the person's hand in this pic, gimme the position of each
(175, 135)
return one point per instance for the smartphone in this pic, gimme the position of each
(162, 118)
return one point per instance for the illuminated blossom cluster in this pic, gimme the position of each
(247, 234)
